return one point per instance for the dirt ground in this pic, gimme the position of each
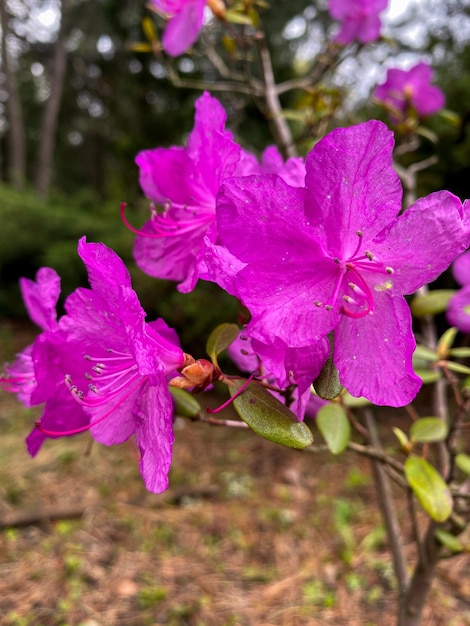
(249, 534)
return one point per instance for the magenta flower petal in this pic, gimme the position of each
(373, 353)
(359, 19)
(154, 436)
(461, 269)
(183, 28)
(41, 296)
(185, 181)
(424, 240)
(458, 310)
(351, 186)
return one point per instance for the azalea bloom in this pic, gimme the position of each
(185, 181)
(112, 365)
(338, 257)
(184, 25)
(410, 88)
(360, 19)
(25, 376)
(458, 310)
(40, 298)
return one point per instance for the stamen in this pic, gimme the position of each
(68, 433)
(164, 225)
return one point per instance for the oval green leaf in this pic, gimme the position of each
(463, 462)
(428, 429)
(446, 342)
(457, 367)
(268, 417)
(460, 353)
(334, 426)
(428, 376)
(449, 541)
(429, 487)
(402, 439)
(220, 339)
(186, 405)
(431, 303)
(424, 353)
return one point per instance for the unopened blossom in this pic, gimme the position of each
(113, 365)
(338, 257)
(458, 310)
(410, 90)
(185, 181)
(359, 19)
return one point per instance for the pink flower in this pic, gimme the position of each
(339, 256)
(182, 30)
(359, 19)
(405, 89)
(185, 181)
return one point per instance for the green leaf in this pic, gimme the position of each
(429, 487)
(352, 401)
(238, 18)
(425, 353)
(186, 405)
(446, 342)
(334, 426)
(460, 353)
(428, 376)
(463, 462)
(402, 439)
(220, 339)
(428, 429)
(268, 417)
(431, 303)
(449, 541)
(457, 367)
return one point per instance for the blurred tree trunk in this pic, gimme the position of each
(45, 156)
(16, 131)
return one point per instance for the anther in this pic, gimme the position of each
(369, 255)
(390, 270)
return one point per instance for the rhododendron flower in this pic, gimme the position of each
(182, 30)
(25, 376)
(113, 365)
(458, 310)
(40, 298)
(338, 257)
(410, 88)
(359, 19)
(186, 181)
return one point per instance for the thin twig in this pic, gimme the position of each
(280, 127)
(384, 493)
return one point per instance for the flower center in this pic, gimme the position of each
(176, 220)
(353, 282)
(111, 381)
